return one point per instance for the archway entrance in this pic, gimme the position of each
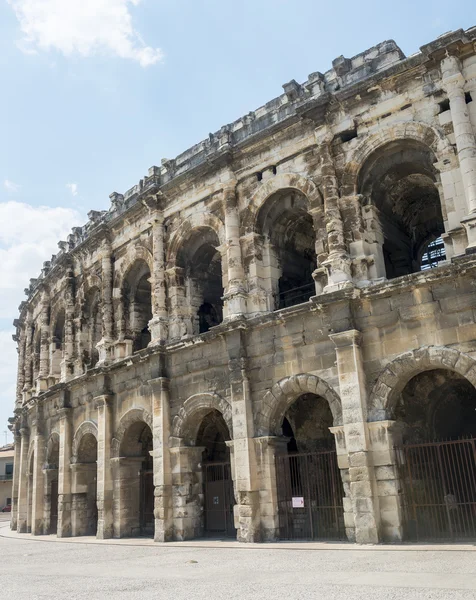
(217, 477)
(84, 472)
(437, 460)
(135, 489)
(308, 478)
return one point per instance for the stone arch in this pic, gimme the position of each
(279, 398)
(134, 253)
(134, 415)
(186, 228)
(186, 424)
(397, 373)
(279, 183)
(85, 428)
(429, 136)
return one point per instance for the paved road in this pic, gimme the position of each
(39, 570)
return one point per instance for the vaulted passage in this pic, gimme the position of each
(437, 461)
(289, 256)
(308, 479)
(399, 180)
(91, 327)
(201, 265)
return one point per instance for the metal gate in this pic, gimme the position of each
(147, 503)
(219, 499)
(310, 496)
(438, 490)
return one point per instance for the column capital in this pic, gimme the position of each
(159, 384)
(24, 432)
(352, 337)
(64, 413)
(103, 400)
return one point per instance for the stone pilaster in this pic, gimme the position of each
(267, 448)
(16, 480)
(38, 489)
(67, 366)
(337, 263)
(187, 490)
(64, 473)
(343, 464)
(104, 468)
(246, 485)
(161, 455)
(158, 325)
(180, 321)
(454, 83)
(235, 293)
(104, 346)
(384, 437)
(353, 394)
(42, 383)
(28, 362)
(22, 514)
(21, 340)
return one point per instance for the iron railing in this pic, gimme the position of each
(296, 295)
(438, 489)
(219, 498)
(8, 477)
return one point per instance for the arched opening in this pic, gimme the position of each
(57, 343)
(134, 489)
(85, 513)
(36, 353)
(308, 479)
(137, 298)
(91, 327)
(201, 265)
(437, 415)
(218, 491)
(289, 253)
(399, 181)
(51, 480)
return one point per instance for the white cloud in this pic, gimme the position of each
(28, 236)
(73, 188)
(10, 186)
(84, 27)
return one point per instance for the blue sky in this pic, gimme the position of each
(94, 92)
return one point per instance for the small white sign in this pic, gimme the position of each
(298, 502)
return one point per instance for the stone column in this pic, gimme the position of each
(353, 394)
(64, 473)
(235, 294)
(21, 340)
(343, 464)
(16, 480)
(38, 494)
(104, 346)
(161, 455)
(67, 366)
(104, 468)
(454, 82)
(23, 481)
(42, 383)
(337, 263)
(247, 513)
(158, 325)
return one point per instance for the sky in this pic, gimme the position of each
(94, 92)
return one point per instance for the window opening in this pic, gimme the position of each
(434, 254)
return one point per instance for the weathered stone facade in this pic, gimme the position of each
(277, 259)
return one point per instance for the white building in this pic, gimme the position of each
(6, 475)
